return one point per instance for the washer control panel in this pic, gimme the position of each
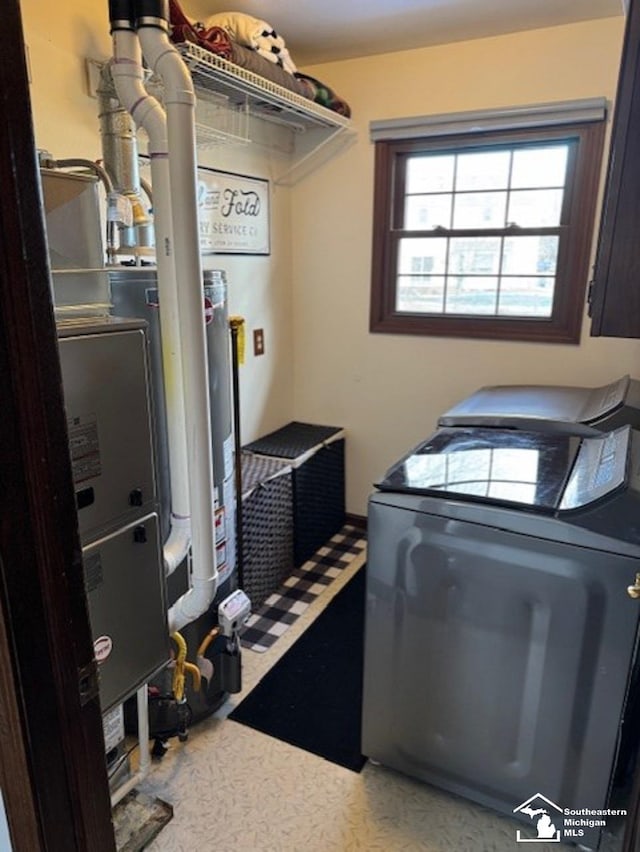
(600, 468)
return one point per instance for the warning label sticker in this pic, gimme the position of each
(93, 574)
(84, 447)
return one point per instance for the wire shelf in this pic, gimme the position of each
(258, 95)
(235, 106)
(219, 121)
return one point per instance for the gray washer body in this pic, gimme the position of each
(499, 645)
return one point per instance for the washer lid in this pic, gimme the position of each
(524, 469)
(537, 406)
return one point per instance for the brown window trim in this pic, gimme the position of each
(565, 323)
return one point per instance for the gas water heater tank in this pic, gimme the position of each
(134, 293)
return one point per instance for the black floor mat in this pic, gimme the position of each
(312, 697)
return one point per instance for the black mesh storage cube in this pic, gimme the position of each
(267, 526)
(316, 454)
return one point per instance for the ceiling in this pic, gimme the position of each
(327, 30)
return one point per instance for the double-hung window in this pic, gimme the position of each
(486, 232)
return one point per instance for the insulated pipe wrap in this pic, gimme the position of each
(118, 135)
(121, 14)
(152, 13)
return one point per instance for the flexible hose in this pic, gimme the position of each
(194, 671)
(182, 666)
(208, 639)
(178, 672)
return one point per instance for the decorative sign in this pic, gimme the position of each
(233, 213)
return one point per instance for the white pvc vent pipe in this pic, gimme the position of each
(174, 170)
(128, 76)
(179, 97)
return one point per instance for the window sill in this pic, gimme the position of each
(477, 328)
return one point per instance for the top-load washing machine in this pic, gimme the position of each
(579, 410)
(500, 630)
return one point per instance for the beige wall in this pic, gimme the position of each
(388, 390)
(312, 295)
(66, 124)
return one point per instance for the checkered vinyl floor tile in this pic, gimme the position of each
(283, 607)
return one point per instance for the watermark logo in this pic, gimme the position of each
(554, 824)
(542, 812)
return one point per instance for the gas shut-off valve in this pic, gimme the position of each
(233, 613)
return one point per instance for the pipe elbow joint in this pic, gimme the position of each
(148, 113)
(167, 63)
(193, 603)
(182, 612)
(177, 545)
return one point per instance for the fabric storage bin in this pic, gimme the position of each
(316, 455)
(267, 526)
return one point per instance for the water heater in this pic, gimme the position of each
(134, 293)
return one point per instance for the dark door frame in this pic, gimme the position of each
(52, 766)
(52, 772)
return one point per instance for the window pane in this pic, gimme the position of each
(474, 255)
(520, 462)
(420, 294)
(516, 492)
(471, 295)
(479, 210)
(527, 297)
(530, 255)
(483, 170)
(545, 166)
(430, 173)
(473, 232)
(422, 255)
(460, 464)
(537, 208)
(423, 212)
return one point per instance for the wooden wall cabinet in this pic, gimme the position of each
(615, 291)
